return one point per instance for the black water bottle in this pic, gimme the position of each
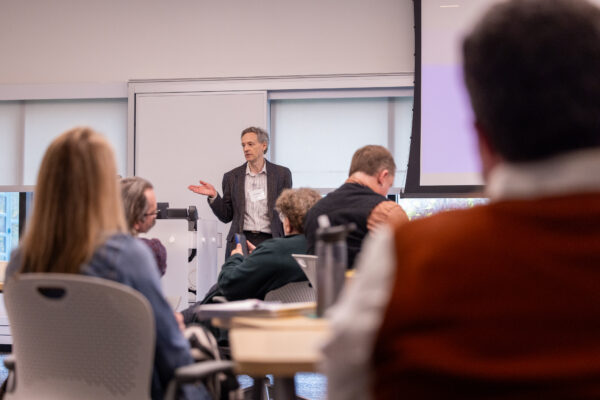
(332, 262)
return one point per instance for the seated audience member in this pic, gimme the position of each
(78, 227)
(500, 301)
(270, 265)
(141, 210)
(361, 199)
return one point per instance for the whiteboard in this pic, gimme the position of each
(183, 137)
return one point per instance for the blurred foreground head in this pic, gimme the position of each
(77, 203)
(532, 72)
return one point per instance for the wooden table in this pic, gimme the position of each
(278, 346)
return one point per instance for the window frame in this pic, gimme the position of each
(24, 93)
(276, 87)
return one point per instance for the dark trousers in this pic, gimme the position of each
(257, 238)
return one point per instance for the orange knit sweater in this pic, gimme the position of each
(499, 301)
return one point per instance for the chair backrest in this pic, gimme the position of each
(293, 292)
(308, 263)
(79, 337)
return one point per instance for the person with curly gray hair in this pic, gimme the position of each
(269, 265)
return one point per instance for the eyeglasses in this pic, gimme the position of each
(155, 213)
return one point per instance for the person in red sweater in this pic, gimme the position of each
(500, 301)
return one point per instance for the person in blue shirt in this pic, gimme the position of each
(78, 227)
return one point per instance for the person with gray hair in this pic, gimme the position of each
(269, 265)
(141, 211)
(249, 192)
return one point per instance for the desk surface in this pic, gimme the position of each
(282, 350)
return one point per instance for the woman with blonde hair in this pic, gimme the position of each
(78, 227)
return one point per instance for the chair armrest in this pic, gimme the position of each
(194, 372)
(9, 362)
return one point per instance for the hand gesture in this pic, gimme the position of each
(384, 213)
(237, 250)
(204, 188)
(251, 247)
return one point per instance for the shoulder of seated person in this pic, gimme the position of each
(128, 245)
(390, 209)
(154, 241)
(387, 205)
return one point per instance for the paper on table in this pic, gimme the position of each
(253, 307)
(294, 322)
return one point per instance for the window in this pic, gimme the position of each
(9, 223)
(316, 137)
(417, 208)
(27, 127)
(10, 142)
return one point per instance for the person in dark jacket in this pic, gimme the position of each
(360, 200)
(270, 265)
(249, 192)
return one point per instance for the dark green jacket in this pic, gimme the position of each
(269, 267)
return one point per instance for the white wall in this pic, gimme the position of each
(112, 41)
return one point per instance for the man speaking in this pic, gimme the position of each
(249, 192)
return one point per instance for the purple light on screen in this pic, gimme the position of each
(448, 141)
